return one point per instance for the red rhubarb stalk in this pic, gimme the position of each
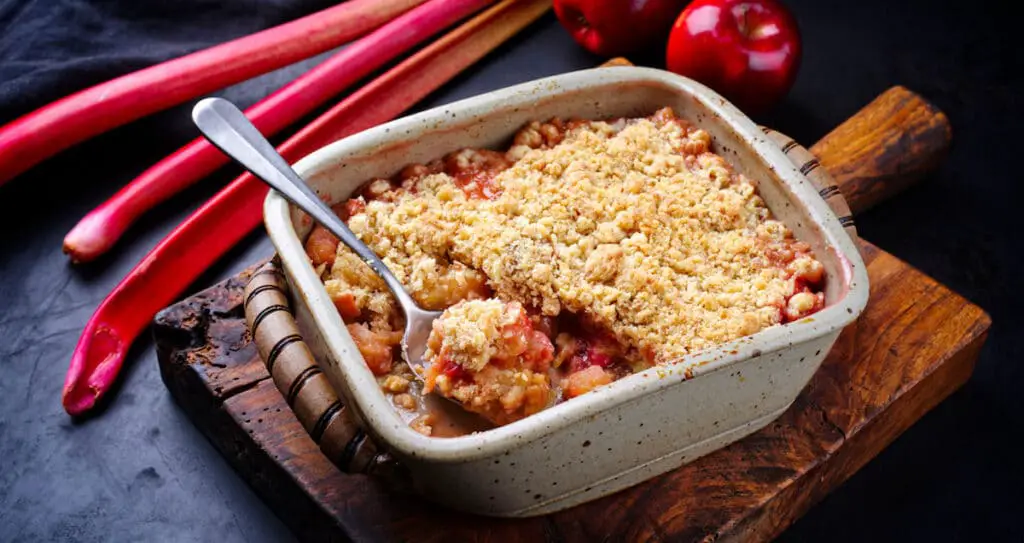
(30, 139)
(98, 231)
(237, 209)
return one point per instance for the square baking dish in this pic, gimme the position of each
(633, 428)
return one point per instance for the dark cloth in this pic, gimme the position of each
(52, 48)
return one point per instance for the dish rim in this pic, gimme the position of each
(382, 419)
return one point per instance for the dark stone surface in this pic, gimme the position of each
(140, 470)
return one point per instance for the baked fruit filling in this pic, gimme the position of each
(587, 251)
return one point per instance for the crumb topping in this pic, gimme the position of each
(636, 225)
(585, 252)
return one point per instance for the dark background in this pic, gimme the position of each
(141, 471)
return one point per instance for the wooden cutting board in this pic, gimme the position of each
(916, 343)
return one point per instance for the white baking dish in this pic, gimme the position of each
(634, 428)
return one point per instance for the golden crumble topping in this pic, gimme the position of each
(658, 245)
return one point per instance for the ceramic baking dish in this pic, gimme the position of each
(636, 427)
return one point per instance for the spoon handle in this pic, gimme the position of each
(228, 128)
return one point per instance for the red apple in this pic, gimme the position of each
(618, 27)
(746, 50)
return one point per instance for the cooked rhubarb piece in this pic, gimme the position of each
(586, 380)
(376, 347)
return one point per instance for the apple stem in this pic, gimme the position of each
(743, 22)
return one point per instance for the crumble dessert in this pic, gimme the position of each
(587, 251)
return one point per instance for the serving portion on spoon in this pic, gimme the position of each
(226, 127)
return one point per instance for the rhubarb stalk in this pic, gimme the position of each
(98, 231)
(38, 135)
(236, 210)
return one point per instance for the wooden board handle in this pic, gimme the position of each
(885, 147)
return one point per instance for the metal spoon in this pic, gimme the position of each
(226, 127)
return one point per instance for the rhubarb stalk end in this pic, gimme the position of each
(93, 370)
